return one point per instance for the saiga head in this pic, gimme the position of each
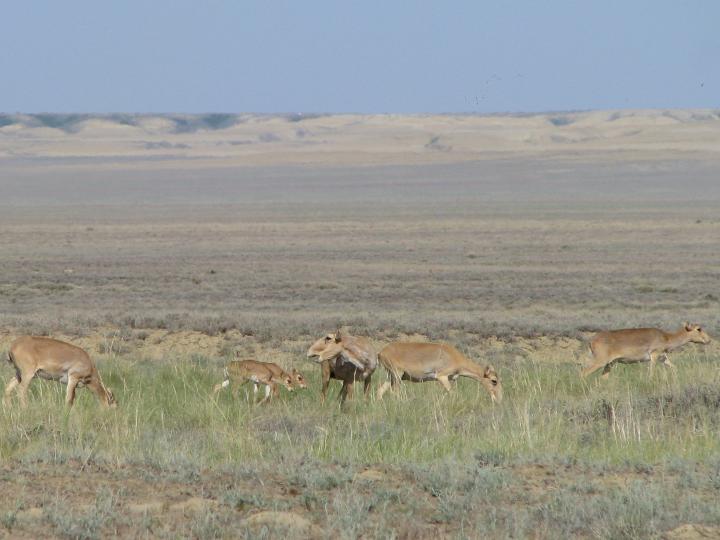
(298, 379)
(326, 348)
(696, 334)
(283, 379)
(492, 384)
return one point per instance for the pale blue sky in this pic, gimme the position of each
(357, 56)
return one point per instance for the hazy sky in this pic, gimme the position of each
(357, 56)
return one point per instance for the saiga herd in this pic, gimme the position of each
(344, 357)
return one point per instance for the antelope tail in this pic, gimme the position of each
(384, 362)
(11, 359)
(226, 380)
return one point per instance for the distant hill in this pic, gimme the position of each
(253, 139)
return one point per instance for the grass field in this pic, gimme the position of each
(631, 457)
(163, 266)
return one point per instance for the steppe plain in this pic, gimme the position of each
(164, 243)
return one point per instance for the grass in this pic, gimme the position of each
(458, 463)
(87, 524)
(559, 457)
(167, 418)
(631, 457)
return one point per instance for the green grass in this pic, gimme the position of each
(631, 457)
(168, 417)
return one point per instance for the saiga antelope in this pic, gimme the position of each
(243, 371)
(639, 345)
(345, 358)
(54, 360)
(296, 378)
(419, 362)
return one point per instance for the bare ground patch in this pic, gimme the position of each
(68, 500)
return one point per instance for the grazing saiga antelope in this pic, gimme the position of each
(296, 377)
(244, 371)
(419, 362)
(639, 345)
(345, 358)
(54, 360)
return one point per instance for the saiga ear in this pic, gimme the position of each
(338, 337)
(688, 328)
